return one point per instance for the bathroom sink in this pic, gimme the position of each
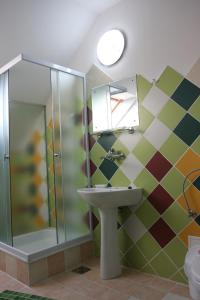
(107, 200)
(109, 197)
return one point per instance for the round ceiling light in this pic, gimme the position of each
(110, 47)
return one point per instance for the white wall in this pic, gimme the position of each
(159, 33)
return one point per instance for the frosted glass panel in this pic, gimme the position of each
(29, 192)
(72, 155)
(5, 212)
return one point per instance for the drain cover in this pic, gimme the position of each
(81, 270)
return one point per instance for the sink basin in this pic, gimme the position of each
(109, 197)
(107, 200)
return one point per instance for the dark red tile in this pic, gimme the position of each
(89, 115)
(94, 220)
(162, 232)
(92, 168)
(91, 217)
(160, 199)
(158, 166)
(91, 141)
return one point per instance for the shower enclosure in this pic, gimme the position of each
(43, 155)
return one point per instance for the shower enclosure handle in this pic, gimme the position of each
(6, 156)
(57, 155)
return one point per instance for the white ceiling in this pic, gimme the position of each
(97, 6)
(48, 29)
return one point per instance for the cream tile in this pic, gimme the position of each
(194, 74)
(155, 100)
(157, 133)
(134, 228)
(87, 250)
(2, 261)
(11, 265)
(23, 272)
(38, 270)
(56, 263)
(72, 258)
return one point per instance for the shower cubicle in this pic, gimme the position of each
(43, 155)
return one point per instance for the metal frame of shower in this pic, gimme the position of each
(51, 66)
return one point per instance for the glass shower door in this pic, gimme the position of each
(69, 155)
(5, 206)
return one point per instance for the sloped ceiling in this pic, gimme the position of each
(46, 29)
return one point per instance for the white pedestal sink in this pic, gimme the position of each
(108, 200)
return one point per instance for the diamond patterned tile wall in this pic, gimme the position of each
(153, 236)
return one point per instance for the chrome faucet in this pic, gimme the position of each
(113, 155)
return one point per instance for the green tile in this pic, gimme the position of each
(148, 269)
(146, 181)
(171, 114)
(163, 265)
(188, 129)
(124, 213)
(148, 246)
(98, 178)
(97, 153)
(176, 250)
(176, 217)
(119, 179)
(143, 87)
(108, 168)
(173, 148)
(147, 214)
(97, 240)
(135, 258)
(173, 183)
(169, 81)
(144, 151)
(195, 109)
(125, 241)
(107, 141)
(196, 145)
(146, 118)
(180, 277)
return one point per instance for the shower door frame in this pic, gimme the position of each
(52, 66)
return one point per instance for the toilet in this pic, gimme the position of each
(192, 270)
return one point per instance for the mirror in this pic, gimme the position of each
(115, 106)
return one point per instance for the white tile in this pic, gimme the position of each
(155, 101)
(130, 140)
(131, 167)
(157, 133)
(134, 228)
(171, 296)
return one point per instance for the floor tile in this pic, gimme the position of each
(171, 296)
(181, 290)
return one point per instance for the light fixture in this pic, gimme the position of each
(110, 47)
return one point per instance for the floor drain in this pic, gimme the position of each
(81, 270)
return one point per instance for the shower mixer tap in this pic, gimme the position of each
(57, 155)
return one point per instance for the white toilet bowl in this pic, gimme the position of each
(192, 270)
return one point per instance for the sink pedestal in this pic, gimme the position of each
(110, 258)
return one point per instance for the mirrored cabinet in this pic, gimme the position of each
(115, 106)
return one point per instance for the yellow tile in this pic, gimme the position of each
(36, 138)
(37, 179)
(188, 162)
(37, 159)
(193, 196)
(191, 229)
